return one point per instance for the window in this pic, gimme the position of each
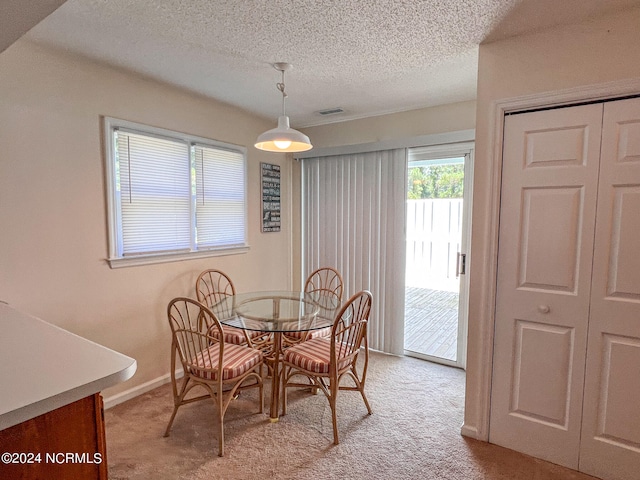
(172, 196)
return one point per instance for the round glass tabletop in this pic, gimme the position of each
(278, 311)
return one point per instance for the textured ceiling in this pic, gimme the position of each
(368, 57)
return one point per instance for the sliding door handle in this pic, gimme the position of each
(461, 264)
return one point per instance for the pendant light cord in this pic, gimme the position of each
(284, 95)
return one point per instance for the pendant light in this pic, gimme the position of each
(283, 138)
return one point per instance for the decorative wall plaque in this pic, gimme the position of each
(270, 175)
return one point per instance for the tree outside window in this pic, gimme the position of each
(436, 181)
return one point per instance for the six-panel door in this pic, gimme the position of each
(547, 223)
(610, 446)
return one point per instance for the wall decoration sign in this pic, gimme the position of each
(270, 175)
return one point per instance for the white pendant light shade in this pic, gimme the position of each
(283, 138)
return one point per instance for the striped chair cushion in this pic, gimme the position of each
(234, 335)
(237, 360)
(323, 332)
(312, 355)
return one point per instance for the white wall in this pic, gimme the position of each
(53, 240)
(576, 57)
(412, 123)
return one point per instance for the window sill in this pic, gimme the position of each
(120, 262)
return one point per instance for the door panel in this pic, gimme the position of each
(624, 273)
(541, 383)
(561, 146)
(619, 418)
(610, 446)
(547, 222)
(549, 262)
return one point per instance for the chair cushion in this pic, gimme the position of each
(237, 360)
(235, 335)
(323, 332)
(313, 356)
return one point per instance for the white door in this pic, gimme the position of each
(547, 224)
(611, 425)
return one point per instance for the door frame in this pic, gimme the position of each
(437, 152)
(484, 264)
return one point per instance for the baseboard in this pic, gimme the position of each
(121, 397)
(469, 431)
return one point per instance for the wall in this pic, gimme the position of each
(571, 59)
(413, 123)
(53, 240)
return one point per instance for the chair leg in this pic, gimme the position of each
(173, 416)
(222, 402)
(366, 402)
(360, 387)
(177, 401)
(285, 372)
(220, 425)
(334, 417)
(261, 392)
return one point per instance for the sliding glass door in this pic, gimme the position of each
(437, 213)
(410, 253)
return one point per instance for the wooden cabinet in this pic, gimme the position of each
(51, 421)
(66, 444)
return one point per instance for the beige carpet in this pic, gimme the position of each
(414, 433)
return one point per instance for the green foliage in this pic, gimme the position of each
(436, 181)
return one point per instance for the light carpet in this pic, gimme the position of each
(414, 433)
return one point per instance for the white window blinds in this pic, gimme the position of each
(173, 195)
(220, 204)
(155, 199)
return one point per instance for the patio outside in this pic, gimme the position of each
(434, 233)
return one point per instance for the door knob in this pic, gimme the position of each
(544, 308)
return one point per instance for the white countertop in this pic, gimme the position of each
(43, 367)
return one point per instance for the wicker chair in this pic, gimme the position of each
(212, 286)
(222, 369)
(326, 286)
(326, 361)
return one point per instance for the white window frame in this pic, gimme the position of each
(116, 258)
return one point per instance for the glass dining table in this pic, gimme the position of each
(277, 313)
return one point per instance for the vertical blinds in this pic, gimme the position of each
(353, 220)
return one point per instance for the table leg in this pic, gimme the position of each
(275, 377)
